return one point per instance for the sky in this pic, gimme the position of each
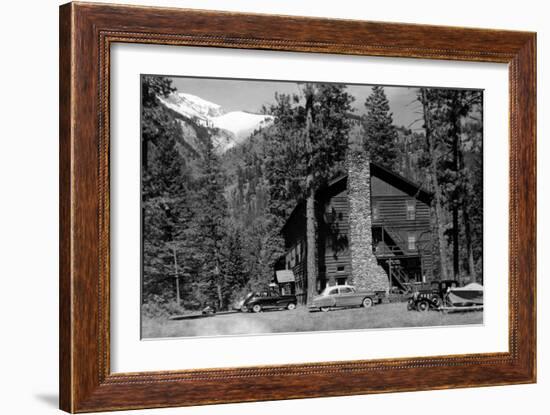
(251, 95)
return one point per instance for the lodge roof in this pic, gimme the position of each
(401, 182)
(408, 186)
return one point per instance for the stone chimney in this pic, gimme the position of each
(366, 274)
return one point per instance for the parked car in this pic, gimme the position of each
(238, 305)
(430, 295)
(345, 296)
(265, 300)
(209, 310)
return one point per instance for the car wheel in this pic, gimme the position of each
(367, 302)
(256, 308)
(436, 301)
(244, 309)
(325, 309)
(423, 306)
(410, 305)
(291, 306)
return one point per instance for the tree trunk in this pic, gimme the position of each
(456, 252)
(467, 226)
(311, 229)
(454, 133)
(435, 185)
(144, 154)
(311, 218)
(468, 237)
(220, 296)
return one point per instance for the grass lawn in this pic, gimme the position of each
(380, 316)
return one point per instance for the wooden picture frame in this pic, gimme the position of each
(86, 33)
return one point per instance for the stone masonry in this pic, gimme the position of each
(366, 274)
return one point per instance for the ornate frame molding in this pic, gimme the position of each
(86, 33)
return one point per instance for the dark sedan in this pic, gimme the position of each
(265, 300)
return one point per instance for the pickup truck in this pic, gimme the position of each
(265, 300)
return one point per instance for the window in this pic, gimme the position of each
(340, 268)
(375, 211)
(411, 239)
(341, 281)
(346, 290)
(333, 291)
(411, 209)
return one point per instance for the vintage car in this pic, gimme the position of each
(345, 296)
(265, 300)
(209, 310)
(430, 295)
(447, 295)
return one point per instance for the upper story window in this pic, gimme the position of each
(411, 242)
(411, 209)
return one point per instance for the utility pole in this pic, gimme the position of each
(217, 272)
(176, 275)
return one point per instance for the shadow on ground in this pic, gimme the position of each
(50, 399)
(198, 316)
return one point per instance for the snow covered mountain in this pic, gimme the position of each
(192, 106)
(234, 126)
(241, 123)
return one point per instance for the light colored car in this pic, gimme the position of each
(344, 296)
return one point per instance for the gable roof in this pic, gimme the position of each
(339, 183)
(401, 182)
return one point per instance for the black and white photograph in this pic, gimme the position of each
(273, 206)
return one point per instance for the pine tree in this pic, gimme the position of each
(453, 132)
(380, 133)
(465, 135)
(166, 217)
(153, 116)
(428, 100)
(211, 224)
(234, 266)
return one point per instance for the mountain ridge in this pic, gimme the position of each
(229, 128)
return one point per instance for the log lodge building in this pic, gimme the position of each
(396, 251)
